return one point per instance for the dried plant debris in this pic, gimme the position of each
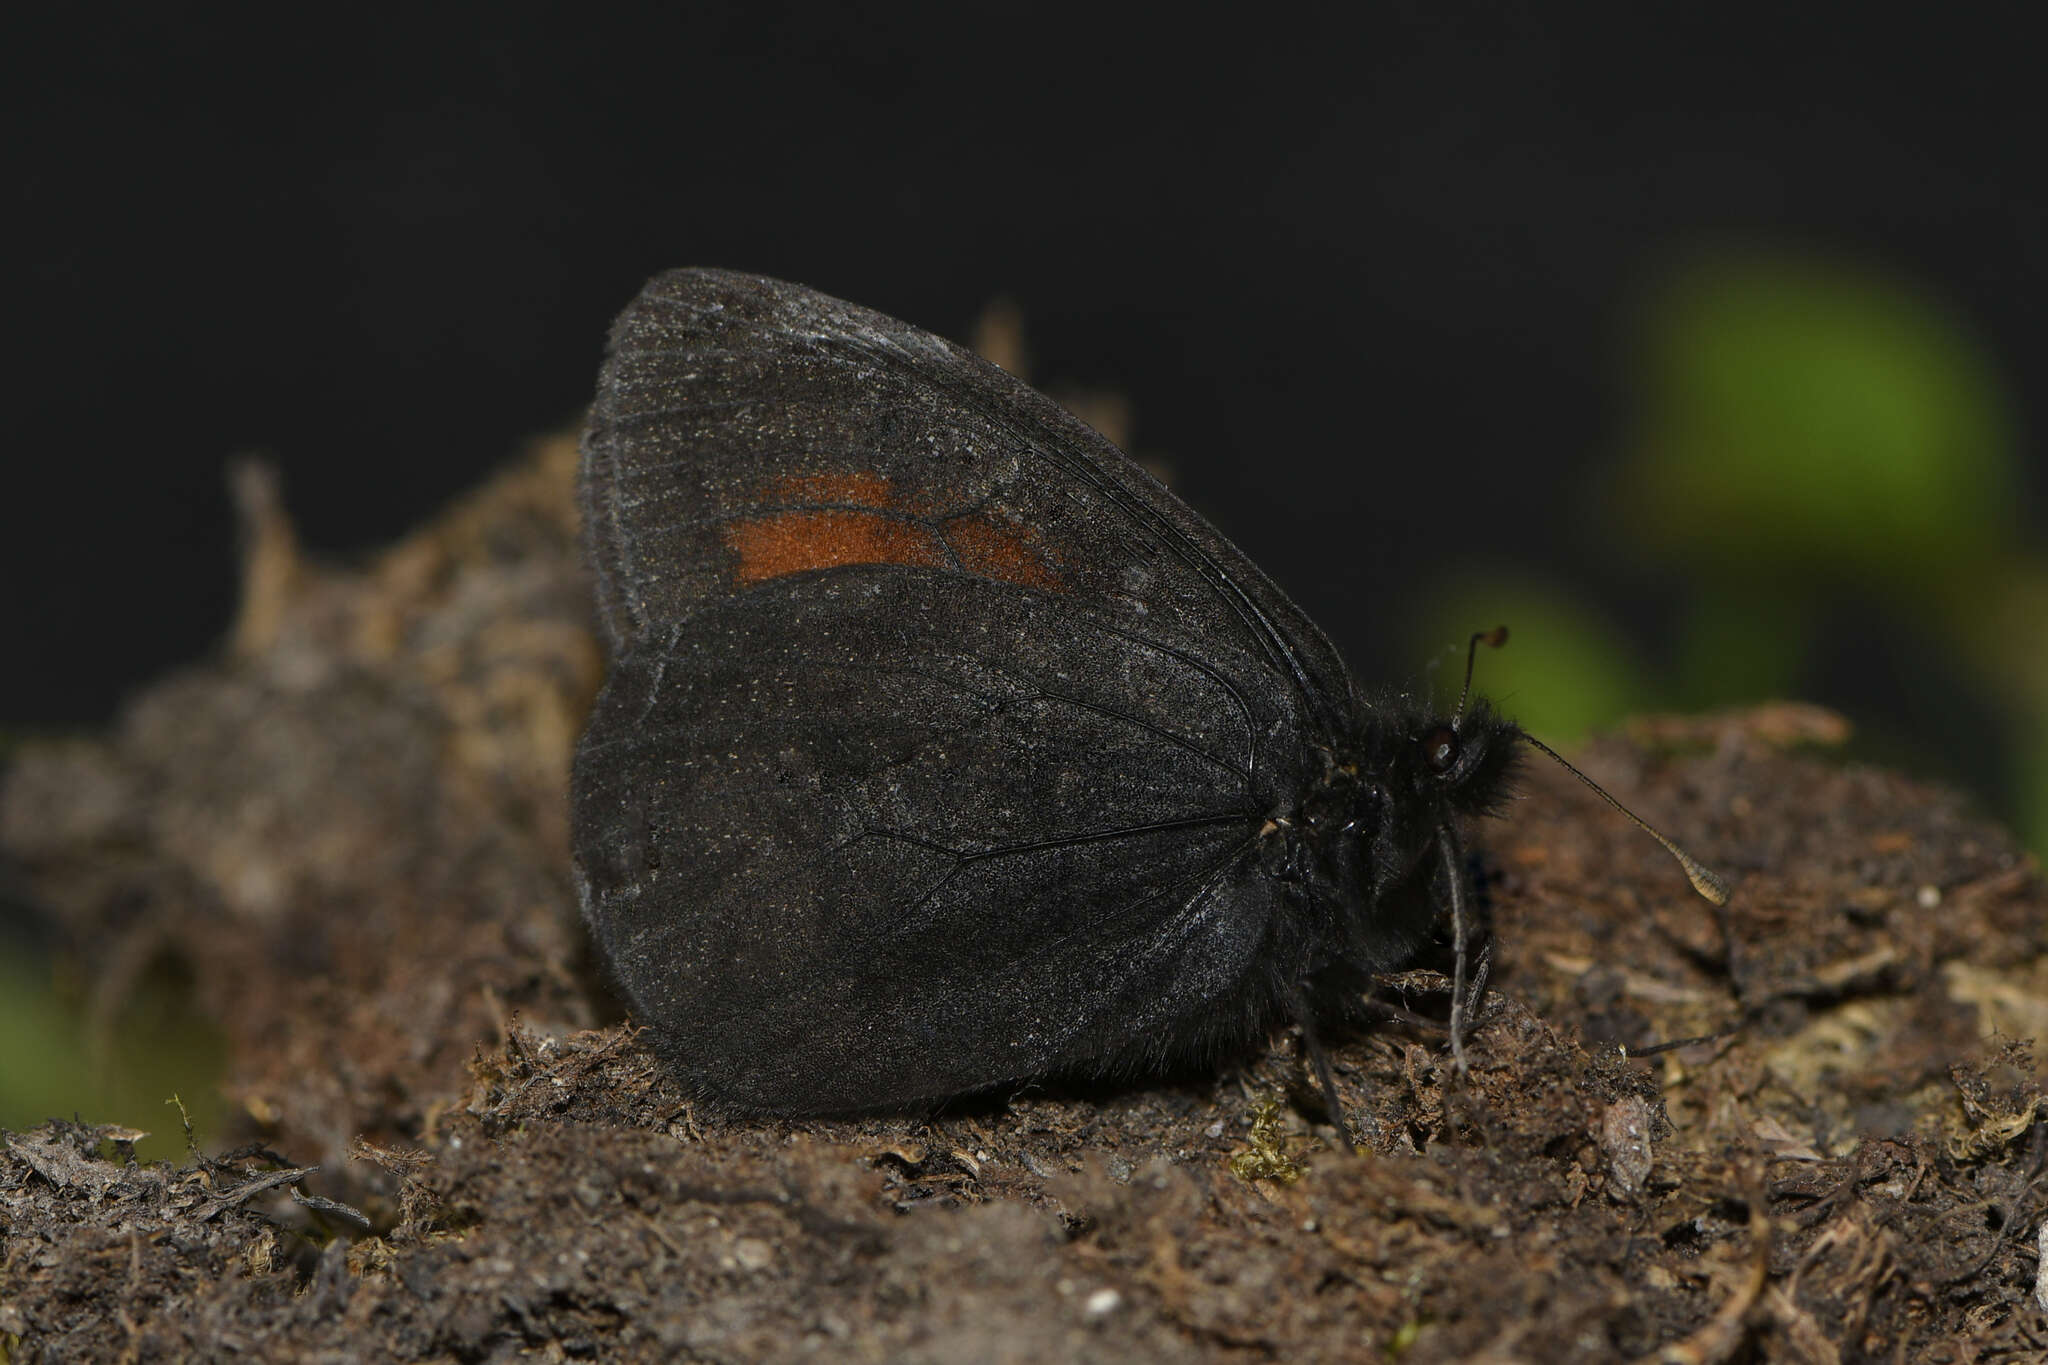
(349, 829)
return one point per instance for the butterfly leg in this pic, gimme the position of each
(1297, 1005)
(1454, 873)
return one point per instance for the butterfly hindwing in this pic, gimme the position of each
(875, 836)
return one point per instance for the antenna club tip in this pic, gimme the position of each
(1708, 885)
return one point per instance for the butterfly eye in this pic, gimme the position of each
(1440, 749)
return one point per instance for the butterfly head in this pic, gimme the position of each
(1461, 764)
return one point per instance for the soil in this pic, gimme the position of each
(349, 830)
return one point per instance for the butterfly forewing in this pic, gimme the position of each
(746, 429)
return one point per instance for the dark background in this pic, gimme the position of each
(1368, 280)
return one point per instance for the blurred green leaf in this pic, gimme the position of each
(2030, 780)
(1565, 671)
(42, 1055)
(160, 1043)
(1737, 648)
(1996, 627)
(1807, 418)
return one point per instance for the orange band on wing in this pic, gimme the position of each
(790, 542)
(819, 522)
(999, 552)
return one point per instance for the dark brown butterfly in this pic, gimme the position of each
(944, 749)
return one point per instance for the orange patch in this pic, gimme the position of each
(998, 552)
(814, 490)
(784, 543)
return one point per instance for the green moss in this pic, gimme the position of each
(1268, 1155)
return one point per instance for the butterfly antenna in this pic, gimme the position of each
(1492, 639)
(1703, 880)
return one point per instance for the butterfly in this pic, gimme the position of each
(944, 749)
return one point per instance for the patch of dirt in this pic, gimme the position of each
(351, 829)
